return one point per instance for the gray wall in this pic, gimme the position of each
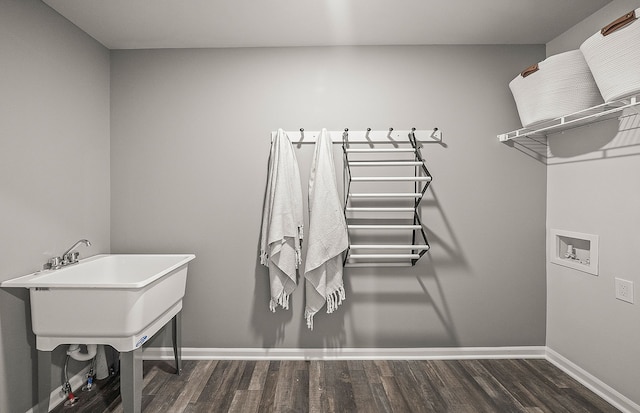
(190, 142)
(54, 167)
(593, 188)
(573, 38)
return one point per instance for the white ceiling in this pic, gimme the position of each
(138, 24)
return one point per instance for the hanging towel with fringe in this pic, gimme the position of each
(282, 221)
(327, 234)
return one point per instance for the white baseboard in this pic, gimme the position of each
(594, 384)
(57, 395)
(444, 353)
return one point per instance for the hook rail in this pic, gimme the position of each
(303, 136)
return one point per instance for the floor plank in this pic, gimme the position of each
(493, 387)
(284, 388)
(427, 388)
(259, 375)
(301, 387)
(317, 391)
(456, 386)
(362, 392)
(269, 392)
(407, 384)
(343, 398)
(245, 401)
(396, 400)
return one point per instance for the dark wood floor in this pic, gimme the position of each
(530, 386)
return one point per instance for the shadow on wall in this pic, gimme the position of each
(608, 139)
(615, 138)
(535, 147)
(270, 326)
(453, 257)
(375, 296)
(423, 300)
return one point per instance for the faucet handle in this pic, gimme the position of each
(53, 263)
(70, 258)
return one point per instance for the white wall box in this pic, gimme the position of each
(574, 250)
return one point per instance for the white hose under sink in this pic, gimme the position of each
(75, 353)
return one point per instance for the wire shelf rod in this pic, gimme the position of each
(377, 264)
(384, 256)
(386, 195)
(379, 150)
(380, 209)
(382, 226)
(390, 178)
(385, 163)
(389, 247)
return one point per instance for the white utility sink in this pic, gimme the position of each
(120, 300)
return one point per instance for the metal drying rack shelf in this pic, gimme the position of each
(414, 244)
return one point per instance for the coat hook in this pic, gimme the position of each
(301, 129)
(368, 129)
(346, 129)
(413, 129)
(390, 129)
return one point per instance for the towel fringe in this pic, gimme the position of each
(264, 258)
(282, 300)
(335, 299)
(308, 315)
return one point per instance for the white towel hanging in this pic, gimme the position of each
(282, 221)
(327, 234)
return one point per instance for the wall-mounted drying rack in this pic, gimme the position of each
(384, 227)
(382, 204)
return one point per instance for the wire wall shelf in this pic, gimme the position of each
(593, 114)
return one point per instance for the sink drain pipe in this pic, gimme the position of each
(75, 353)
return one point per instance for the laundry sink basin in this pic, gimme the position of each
(120, 299)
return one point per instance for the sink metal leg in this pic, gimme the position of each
(44, 381)
(177, 341)
(131, 380)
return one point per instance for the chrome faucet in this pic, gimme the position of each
(68, 257)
